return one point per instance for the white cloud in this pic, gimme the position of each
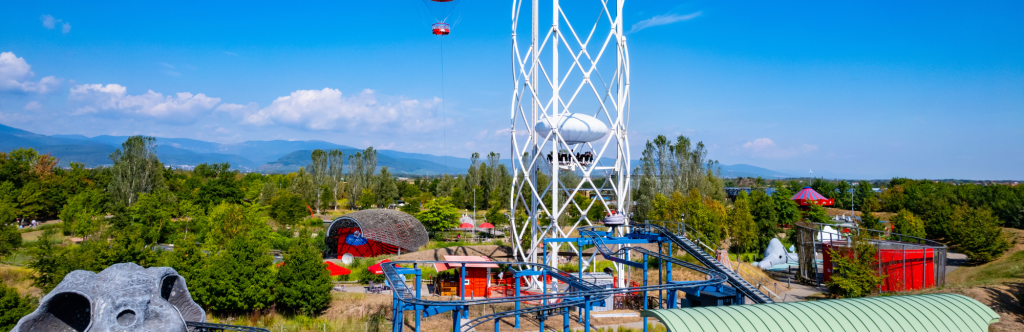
(766, 148)
(48, 21)
(481, 135)
(15, 74)
(32, 106)
(327, 109)
(759, 144)
(231, 53)
(237, 110)
(662, 19)
(183, 107)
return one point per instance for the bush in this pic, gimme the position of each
(287, 208)
(853, 270)
(907, 224)
(303, 283)
(13, 306)
(978, 234)
(237, 279)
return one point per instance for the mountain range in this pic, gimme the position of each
(278, 156)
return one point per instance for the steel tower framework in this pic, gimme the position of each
(558, 70)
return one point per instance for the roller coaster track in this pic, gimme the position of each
(585, 291)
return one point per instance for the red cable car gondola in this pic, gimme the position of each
(442, 11)
(441, 29)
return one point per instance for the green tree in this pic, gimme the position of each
(385, 189)
(237, 279)
(187, 258)
(439, 215)
(816, 213)
(153, 212)
(136, 170)
(854, 271)
(288, 208)
(228, 221)
(907, 224)
(741, 225)
(787, 211)
(83, 214)
(13, 306)
(129, 244)
(304, 186)
(362, 165)
(763, 209)
(978, 234)
(864, 197)
(48, 262)
(303, 284)
(10, 238)
(868, 220)
(495, 217)
(412, 206)
(318, 171)
(366, 199)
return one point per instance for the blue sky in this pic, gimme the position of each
(864, 89)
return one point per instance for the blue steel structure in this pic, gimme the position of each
(579, 294)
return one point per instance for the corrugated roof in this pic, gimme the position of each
(930, 312)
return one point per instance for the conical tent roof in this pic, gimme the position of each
(807, 195)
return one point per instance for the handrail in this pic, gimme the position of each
(760, 280)
(741, 285)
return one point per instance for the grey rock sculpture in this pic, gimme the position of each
(123, 297)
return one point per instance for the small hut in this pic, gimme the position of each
(477, 275)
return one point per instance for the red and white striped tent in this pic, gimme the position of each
(808, 196)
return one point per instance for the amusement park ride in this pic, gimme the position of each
(585, 125)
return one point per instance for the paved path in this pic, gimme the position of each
(955, 260)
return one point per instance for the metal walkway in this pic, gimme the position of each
(693, 249)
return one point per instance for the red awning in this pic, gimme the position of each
(336, 270)
(376, 269)
(486, 225)
(484, 262)
(466, 225)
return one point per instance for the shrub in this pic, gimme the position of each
(13, 306)
(907, 224)
(853, 270)
(303, 284)
(978, 234)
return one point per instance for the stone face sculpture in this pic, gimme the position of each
(123, 297)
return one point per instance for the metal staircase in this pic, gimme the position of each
(741, 285)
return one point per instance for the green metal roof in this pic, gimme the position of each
(930, 312)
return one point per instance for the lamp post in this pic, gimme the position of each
(474, 213)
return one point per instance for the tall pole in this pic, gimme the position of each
(556, 162)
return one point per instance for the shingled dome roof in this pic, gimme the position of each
(392, 227)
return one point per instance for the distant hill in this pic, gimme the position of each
(278, 156)
(748, 171)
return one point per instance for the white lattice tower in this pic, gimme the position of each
(592, 78)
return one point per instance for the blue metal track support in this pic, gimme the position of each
(645, 292)
(419, 287)
(517, 281)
